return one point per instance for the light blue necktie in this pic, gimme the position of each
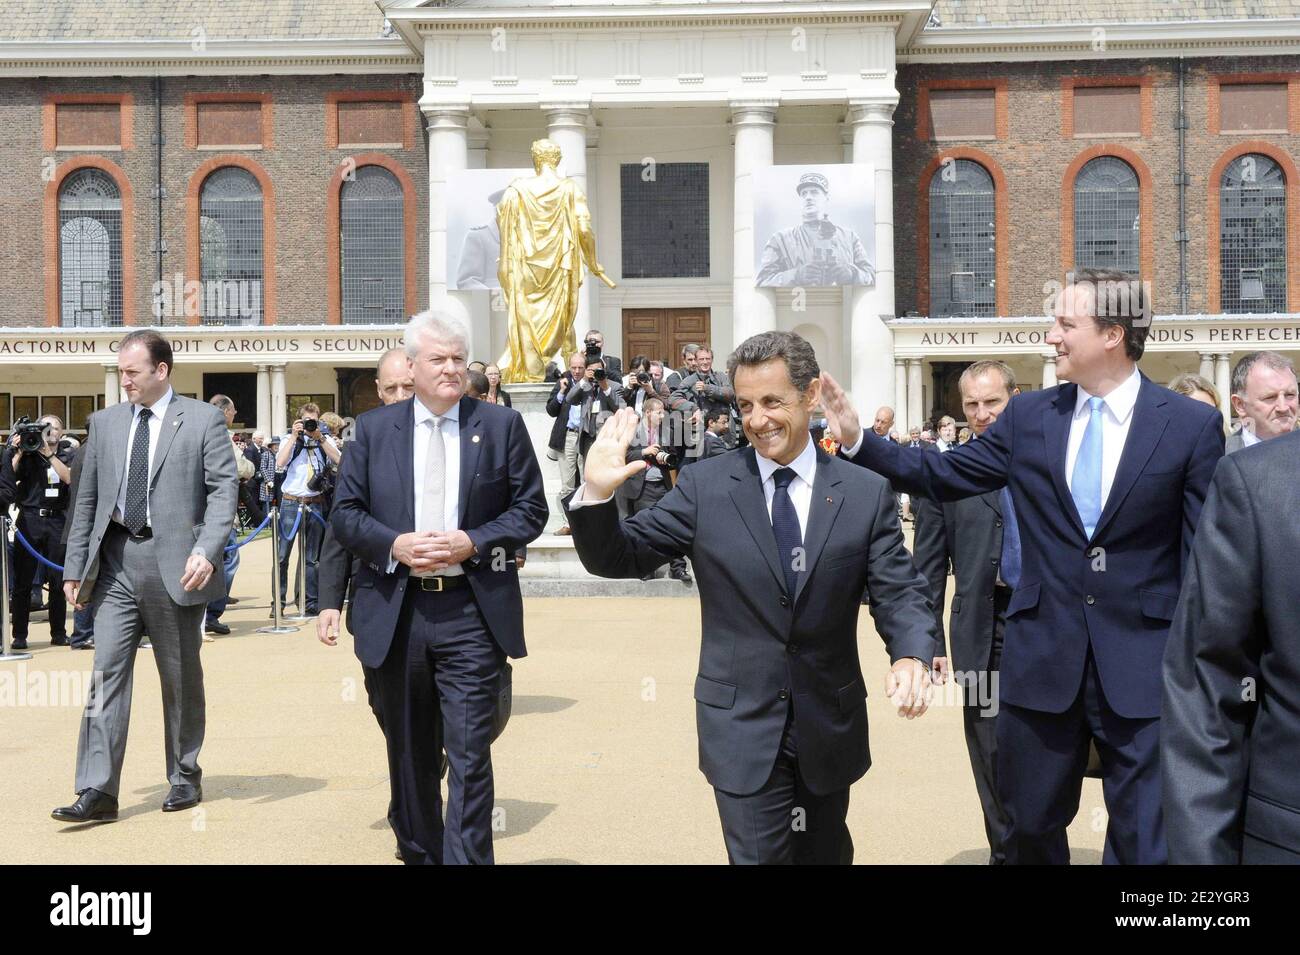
(1085, 485)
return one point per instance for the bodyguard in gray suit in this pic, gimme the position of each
(156, 498)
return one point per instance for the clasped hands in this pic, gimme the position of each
(427, 552)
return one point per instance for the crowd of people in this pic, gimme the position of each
(1099, 620)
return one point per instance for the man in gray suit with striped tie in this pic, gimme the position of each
(156, 497)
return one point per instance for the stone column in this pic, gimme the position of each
(112, 386)
(1207, 365)
(900, 397)
(264, 400)
(915, 408)
(448, 154)
(753, 310)
(567, 127)
(1049, 371)
(872, 349)
(279, 402)
(1223, 383)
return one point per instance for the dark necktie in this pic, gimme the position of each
(137, 480)
(1011, 563)
(785, 527)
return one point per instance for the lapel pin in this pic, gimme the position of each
(830, 500)
(474, 439)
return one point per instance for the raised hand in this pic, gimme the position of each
(607, 466)
(841, 416)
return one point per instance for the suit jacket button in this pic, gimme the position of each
(785, 601)
(997, 523)
(993, 561)
(1090, 600)
(783, 695)
(792, 648)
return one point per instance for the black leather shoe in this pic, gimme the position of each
(182, 797)
(91, 806)
(19, 643)
(682, 575)
(58, 641)
(216, 626)
(83, 645)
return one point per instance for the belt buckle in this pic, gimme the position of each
(427, 584)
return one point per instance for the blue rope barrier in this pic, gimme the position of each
(293, 531)
(257, 530)
(320, 519)
(18, 535)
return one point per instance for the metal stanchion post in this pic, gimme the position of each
(5, 653)
(300, 590)
(277, 625)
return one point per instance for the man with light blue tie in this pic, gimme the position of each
(1107, 474)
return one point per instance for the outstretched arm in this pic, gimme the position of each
(972, 468)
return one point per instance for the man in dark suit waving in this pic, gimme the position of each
(784, 539)
(1231, 725)
(437, 495)
(1107, 477)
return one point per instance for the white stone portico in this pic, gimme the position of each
(738, 85)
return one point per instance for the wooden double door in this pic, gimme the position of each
(661, 332)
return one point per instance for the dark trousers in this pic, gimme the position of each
(652, 492)
(230, 564)
(45, 534)
(310, 534)
(438, 687)
(784, 823)
(979, 719)
(1041, 761)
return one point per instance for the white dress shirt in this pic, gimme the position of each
(1116, 417)
(450, 433)
(805, 469)
(1248, 437)
(159, 411)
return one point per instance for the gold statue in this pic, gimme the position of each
(546, 239)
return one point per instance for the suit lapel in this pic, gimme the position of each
(170, 425)
(747, 495)
(822, 511)
(1144, 431)
(993, 500)
(404, 459)
(470, 443)
(1056, 435)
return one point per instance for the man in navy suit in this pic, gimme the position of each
(1107, 475)
(435, 496)
(784, 539)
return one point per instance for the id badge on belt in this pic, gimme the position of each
(52, 482)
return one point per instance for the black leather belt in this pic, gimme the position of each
(436, 585)
(145, 534)
(42, 511)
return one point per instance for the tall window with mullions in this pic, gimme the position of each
(1252, 236)
(372, 248)
(230, 247)
(665, 217)
(962, 231)
(90, 250)
(1107, 228)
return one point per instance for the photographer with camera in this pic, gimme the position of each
(307, 456)
(710, 390)
(639, 384)
(34, 473)
(594, 343)
(646, 488)
(595, 394)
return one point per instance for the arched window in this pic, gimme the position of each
(372, 253)
(1252, 235)
(90, 249)
(1107, 228)
(962, 227)
(230, 247)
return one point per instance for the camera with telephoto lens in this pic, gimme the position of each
(642, 378)
(599, 374)
(593, 348)
(31, 436)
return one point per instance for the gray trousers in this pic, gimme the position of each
(129, 598)
(570, 462)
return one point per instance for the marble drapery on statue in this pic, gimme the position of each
(546, 239)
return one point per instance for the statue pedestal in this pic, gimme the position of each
(530, 401)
